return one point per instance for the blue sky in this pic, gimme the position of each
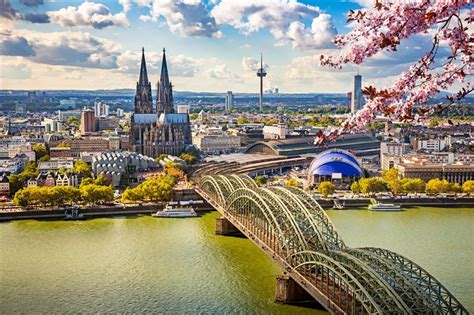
(211, 46)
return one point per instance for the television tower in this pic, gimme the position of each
(261, 74)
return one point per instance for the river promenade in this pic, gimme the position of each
(17, 213)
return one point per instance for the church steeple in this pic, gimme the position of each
(164, 77)
(143, 99)
(164, 98)
(143, 74)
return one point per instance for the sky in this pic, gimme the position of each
(211, 46)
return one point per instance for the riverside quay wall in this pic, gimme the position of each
(413, 201)
(7, 214)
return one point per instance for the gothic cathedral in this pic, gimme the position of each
(164, 131)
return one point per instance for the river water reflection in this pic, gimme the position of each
(143, 264)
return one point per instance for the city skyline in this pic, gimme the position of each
(209, 49)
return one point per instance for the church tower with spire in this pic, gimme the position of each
(164, 90)
(143, 99)
(163, 132)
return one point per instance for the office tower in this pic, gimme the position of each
(229, 101)
(88, 121)
(120, 112)
(357, 100)
(101, 109)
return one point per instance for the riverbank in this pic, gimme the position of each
(101, 211)
(421, 202)
(190, 194)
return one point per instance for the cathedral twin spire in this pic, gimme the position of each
(143, 98)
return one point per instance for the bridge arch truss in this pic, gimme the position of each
(293, 229)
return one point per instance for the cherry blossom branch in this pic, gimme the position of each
(382, 28)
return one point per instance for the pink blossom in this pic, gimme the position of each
(382, 28)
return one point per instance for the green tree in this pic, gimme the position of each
(455, 188)
(73, 121)
(171, 164)
(260, 180)
(96, 194)
(395, 186)
(44, 158)
(30, 170)
(22, 198)
(82, 169)
(63, 145)
(101, 181)
(154, 189)
(40, 151)
(355, 187)
(132, 195)
(16, 182)
(87, 181)
(188, 158)
(326, 188)
(390, 174)
(413, 185)
(372, 185)
(242, 120)
(437, 186)
(292, 183)
(468, 187)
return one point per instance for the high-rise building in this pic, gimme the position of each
(357, 100)
(261, 74)
(120, 112)
(229, 100)
(88, 121)
(162, 132)
(101, 109)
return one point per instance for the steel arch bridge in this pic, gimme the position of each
(291, 227)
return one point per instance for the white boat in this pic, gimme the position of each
(378, 206)
(175, 212)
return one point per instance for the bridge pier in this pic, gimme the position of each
(288, 291)
(224, 227)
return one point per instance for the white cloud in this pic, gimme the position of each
(186, 17)
(286, 20)
(126, 4)
(16, 70)
(92, 14)
(318, 37)
(178, 65)
(252, 64)
(78, 49)
(220, 72)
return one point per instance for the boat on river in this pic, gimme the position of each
(72, 214)
(175, 211)
(378, 206)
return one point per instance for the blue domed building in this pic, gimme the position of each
(334, 164)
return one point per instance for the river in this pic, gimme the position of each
(142, 264)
